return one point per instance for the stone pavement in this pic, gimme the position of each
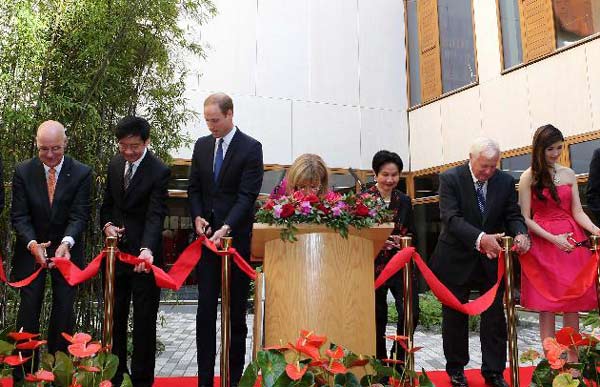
(179, 332)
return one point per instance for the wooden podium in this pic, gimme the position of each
(322, 283)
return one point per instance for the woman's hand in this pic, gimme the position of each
(596, 231)
(562, 241)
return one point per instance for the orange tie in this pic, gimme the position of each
(51, 183)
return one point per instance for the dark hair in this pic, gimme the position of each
(222, 100)
(130, 126)
(383, 157)
(544, 137)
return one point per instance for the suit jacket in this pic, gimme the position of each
(33, 218)
(455, 257)
(231, 199)
(593, 186)
(142, 208)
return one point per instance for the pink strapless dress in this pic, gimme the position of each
(559, 270)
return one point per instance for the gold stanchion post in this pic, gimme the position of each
(594, 247)
(225, 316)
(409, 360)
(109, 291)
(511, 313)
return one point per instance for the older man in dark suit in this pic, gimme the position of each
(134, 208)
(225, 179)
(50, 211)
(478, 204)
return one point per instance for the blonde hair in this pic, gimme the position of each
(308, 168)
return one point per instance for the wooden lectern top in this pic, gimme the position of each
(263, 233)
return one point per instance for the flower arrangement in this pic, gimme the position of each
(556, 371)
(305, 365)
(339, 212)
(87, 365)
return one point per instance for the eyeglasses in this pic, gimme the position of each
(52, 149)
(133, 147)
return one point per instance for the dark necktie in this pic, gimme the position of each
(128, 176)
(218, 160)
(480, 195)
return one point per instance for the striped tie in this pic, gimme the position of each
(51, 182)
(480, 195)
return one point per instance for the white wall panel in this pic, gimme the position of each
(558, 92)
(461, 124)
(231, 48)
(333, 45)
(505, 110)
(593, 72)
(382, 54)
(383, 129)
(487, 40)
(425, 137)
(331, 131)
(283, 49)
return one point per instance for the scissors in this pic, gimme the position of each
(583, 243)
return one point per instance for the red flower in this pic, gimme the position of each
(335, 367)
(323, 209)
(311, 198)
(16, 360)
(294, 371)
(298, 195)
(83, 350)
(105, 383)
(338, 353)
(333, 197)
(306, 348)
(31, 344)
(361, 210)
(287, 210)
(394, 382)
(359, 363)
(568, 336)
(398, 338)
(77, 338)
(392, 361)
(19, 336)
(269, 205)
(40, 376)
(312, 338)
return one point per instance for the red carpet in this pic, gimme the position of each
(439, 379)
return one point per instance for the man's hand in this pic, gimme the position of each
(113, 231)
(146, 255)
(202, 227)
(38, 250)
(62, 251)
(489, 245)
(220, 233)
(522, 243)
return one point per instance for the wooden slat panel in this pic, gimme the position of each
(429, 49)
(537, 28)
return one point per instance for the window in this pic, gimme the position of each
(581, 155)
(271, 178)
(516, 165)
(426, 185)
(534, 28)
(441, 47)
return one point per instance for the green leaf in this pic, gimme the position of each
(108, 363)
(6, 348)
(250, 375)
(424, 380)
(47, 361)
(63, 369)
(347, 380)
(272, 365)
(126, 381)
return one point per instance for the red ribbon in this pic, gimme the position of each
(579, 286)
(174, 279)
(444, 295)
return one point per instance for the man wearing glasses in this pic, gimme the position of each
(50, 211)
(133, 209)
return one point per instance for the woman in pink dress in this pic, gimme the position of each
(556, 271)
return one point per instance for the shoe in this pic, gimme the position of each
(495, 380)
(458, 379)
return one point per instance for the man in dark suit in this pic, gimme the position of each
(134, 208)
(593, 186)
(225, 179)
(50, 211)
(478, 204)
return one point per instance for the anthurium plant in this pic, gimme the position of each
(339, 212)
(88, 364)
(306, 365)
(555, 370)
